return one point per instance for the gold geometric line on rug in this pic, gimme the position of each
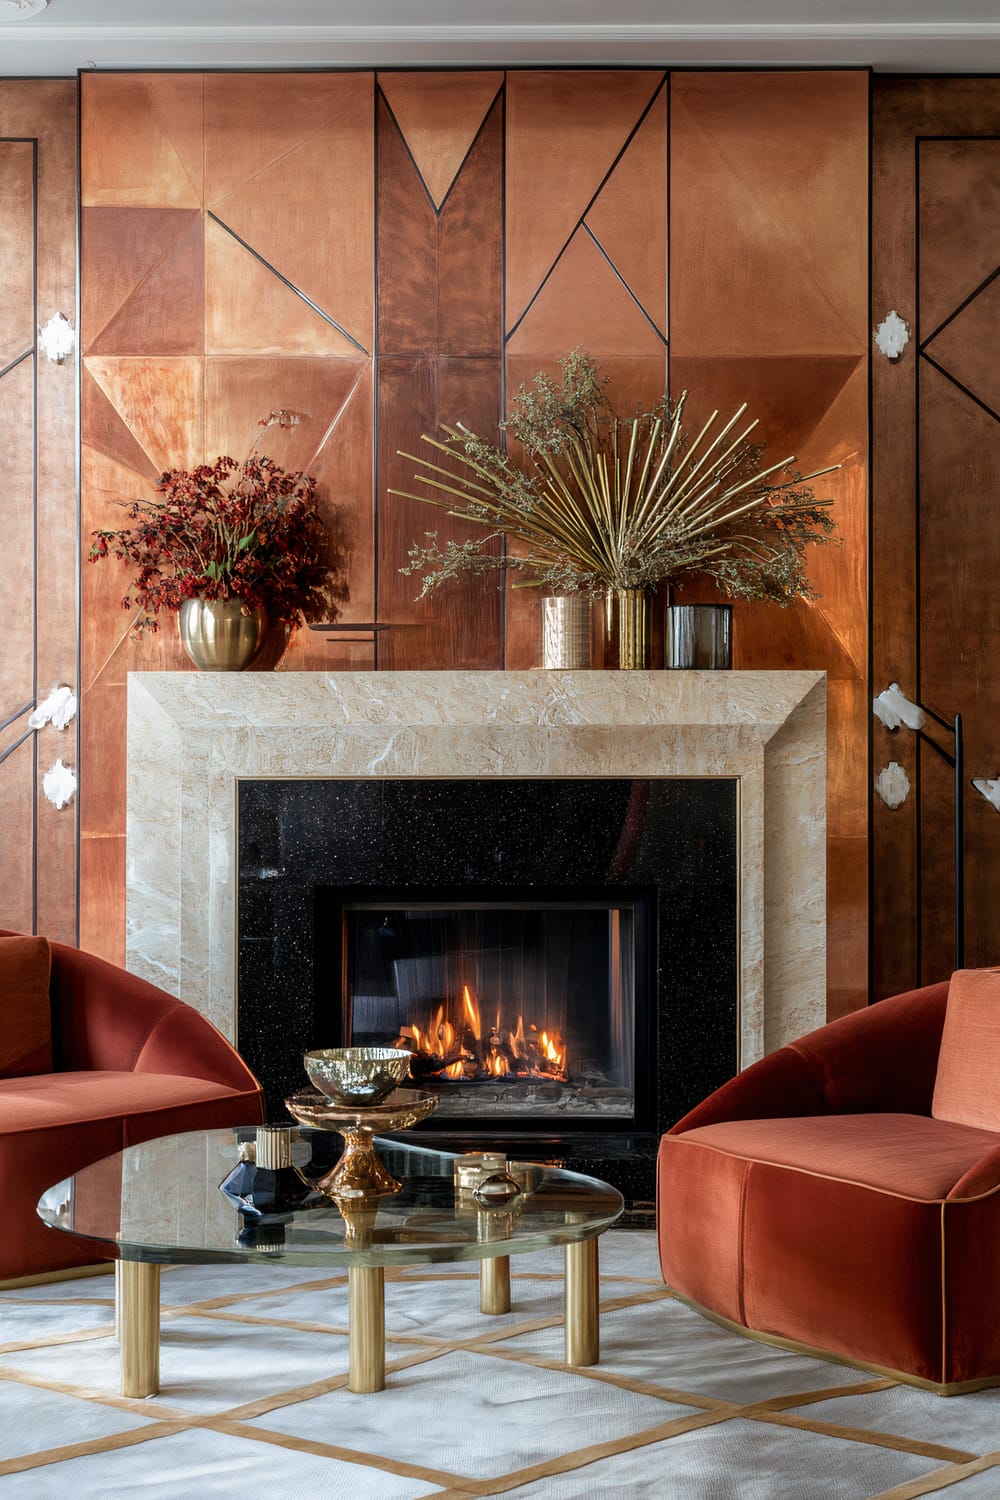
(294, 1395)
(80, 1335)
(939, 1479)
(861, 1435)
(138, 1405)
(827, 1393)
(581, 1458)
(109, 1444)
(611, 1377)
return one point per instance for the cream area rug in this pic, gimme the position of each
(254, 1398)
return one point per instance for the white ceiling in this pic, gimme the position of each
(891, 35)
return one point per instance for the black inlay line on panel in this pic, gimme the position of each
(18, 361)
(960, 308)
(18, 713)
(918, 896)
(660, 87)
(649, 319)
(15, 746)
(959, 386)
(285, 282)
(474, 143)
(383, 101)
(34, 525)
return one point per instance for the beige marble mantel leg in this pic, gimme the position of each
(138, 1321)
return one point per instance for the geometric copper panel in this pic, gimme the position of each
(959, 224)
(458, 625)
(250, 310)
(179, 101)
(565, 130)
(121, 249)
(584, 303)
(17, 233)
(966, 348)
(439, 115)
(629, 217)
(160, 401)
(439, 274)
(310, 215)
(253, 119)
(163, 312)
(102, 428)
(769, 222)
(128, 158)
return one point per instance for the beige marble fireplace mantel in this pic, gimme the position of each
(192, 736)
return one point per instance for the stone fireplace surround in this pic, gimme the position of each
(193, 736)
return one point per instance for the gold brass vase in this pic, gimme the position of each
(629, 622)
(218, 636)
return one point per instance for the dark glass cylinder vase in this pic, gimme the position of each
(699, 636)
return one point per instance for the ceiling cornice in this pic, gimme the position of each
(938, 46)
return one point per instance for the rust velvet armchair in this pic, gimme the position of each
(93, 1059)
(843, 1194)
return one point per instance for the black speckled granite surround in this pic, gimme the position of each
(676, 838)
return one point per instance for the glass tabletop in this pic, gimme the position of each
(163, 1202)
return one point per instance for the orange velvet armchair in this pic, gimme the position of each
(843, 1194)
(128, 1062)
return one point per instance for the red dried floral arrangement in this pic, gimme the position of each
(227, 530)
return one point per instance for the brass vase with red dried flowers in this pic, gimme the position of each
(235, 549)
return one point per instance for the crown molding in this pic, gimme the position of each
(937, 46)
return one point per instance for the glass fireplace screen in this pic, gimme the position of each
(510, 1008)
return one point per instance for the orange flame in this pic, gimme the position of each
(471, 1013)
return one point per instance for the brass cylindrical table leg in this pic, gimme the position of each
(138, 1308)
(366, 1329)
(494, 1285)
(583, 1331)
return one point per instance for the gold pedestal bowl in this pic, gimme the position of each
(360, 1178)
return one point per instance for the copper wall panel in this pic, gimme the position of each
(40, 882)
(103, 429)
(439, 273)
(460, 625)
(160, 401)
(254, 119)
(565, 130)
(769, 306)
(439, 116)
(934, 532)
(333, 400)
(131, 159)
(17, 229)
(157, 295)
(585, 303)
(629, 216)
(17, 526)
(309, 213)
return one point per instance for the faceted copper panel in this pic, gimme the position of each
(148, 287)
(959, 224)
(565, 131)
(769, 306)
(439, 272)
(17, 525)
(130, 158)
(439, 116)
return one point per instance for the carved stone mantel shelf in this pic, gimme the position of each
(192, 736)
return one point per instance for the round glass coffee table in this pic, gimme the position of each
(160, 1203)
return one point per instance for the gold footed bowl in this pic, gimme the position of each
(360, 1177)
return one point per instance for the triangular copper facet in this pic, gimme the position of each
(439, 115)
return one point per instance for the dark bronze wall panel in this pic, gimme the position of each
(38, 889)
(935, 530)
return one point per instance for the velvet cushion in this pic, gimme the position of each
(25, 1012)
(967, 1086)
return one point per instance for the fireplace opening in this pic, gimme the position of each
(513, 1006)
(600, 912)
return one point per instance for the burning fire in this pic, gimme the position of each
(458, 1049)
